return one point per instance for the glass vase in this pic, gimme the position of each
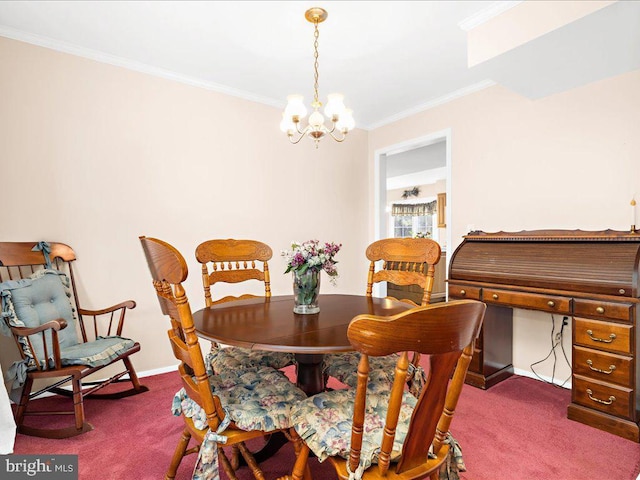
(306, 288)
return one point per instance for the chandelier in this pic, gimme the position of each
(340, 117)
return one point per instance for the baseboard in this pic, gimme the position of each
(145, 373)
(157, 371)
(555, 381)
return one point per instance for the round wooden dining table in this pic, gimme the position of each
(270, 324)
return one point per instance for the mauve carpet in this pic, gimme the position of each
(517, 430)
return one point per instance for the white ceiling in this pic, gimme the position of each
(419, 166)
(389, 58)
(386, 57)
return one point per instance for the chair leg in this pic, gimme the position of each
(251, 462)
(133, 376)
(298, 444)
(224, 461)
(80, 425)
(78, 405)
(235, 457)
(24, 399)
(301, 467)
(179, 452)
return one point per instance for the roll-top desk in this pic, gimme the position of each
(590, 276)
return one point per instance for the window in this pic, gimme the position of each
(413, 226)
(411, 220)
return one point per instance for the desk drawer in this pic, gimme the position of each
(613, 337)
(607, 367)
(604, 397)
(458, 290)
(595, 308)
(547, 303)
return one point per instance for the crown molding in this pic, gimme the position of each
(433, 103)
(101, 57)
(117, 61)
(487, 14)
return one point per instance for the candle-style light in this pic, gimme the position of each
(633, 215)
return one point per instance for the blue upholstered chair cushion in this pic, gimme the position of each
(41, 298)
(36, 300)
(235, 358)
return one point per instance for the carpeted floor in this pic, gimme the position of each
(517, 430)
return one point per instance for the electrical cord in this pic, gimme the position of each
(556, 339)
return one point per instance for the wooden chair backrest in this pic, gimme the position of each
(444, 331)
(168, 270)
(233, 261)
(406, 261)
(18, 260)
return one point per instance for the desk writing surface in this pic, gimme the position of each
(270, 324)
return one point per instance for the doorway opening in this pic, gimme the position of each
(423, 166)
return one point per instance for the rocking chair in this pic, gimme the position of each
(40, 310)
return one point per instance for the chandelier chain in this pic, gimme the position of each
(316, 34)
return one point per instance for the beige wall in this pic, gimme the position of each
(95, 155)
(568, 161)
(426, 191)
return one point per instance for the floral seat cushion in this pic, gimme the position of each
(230, 359)
(324, 422)
(255, 399)
(344, 367)
(258, 398)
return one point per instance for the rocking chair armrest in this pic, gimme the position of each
(130, 304)
(56, 325)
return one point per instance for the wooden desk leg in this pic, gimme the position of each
(310, 377)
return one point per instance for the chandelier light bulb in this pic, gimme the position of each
(346, 122)
(295, 107)
(335, 105)
(340, 118)
(287, 125)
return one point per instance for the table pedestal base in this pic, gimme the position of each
(310, 377)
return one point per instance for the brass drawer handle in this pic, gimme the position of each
(551, 303)
(495, 296)
(606, 372)
(463, 292)
(600, 310)
(604, 402)
(612, 337)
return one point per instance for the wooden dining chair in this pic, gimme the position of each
(405, 261)
(390, 434)
(226, 409)
(234, 261)
(59, 341)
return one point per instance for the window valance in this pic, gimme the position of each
(414, 209)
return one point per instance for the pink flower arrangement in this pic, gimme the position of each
(311, 255)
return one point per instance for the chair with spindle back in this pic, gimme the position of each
(229, 407)
(41, 311)
(233, 261)
(392, 434)
(405, 261)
